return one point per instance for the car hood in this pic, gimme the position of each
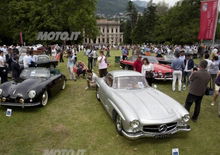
(162, 68)
(21, 89)
(150, 105)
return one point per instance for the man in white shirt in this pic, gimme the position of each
(27, 60)
(95, 56)
(208, 61)
(102, 64)
(3, 69)
(89, 54)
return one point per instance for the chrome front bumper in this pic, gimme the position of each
(19, 104)
(164, 79)
(142, 134)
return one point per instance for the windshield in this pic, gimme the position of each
(43, 58)
(151, 59)
(169, 57)
(35, 73)
(130, 82)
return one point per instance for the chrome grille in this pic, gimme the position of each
(160, 127)
(168, 74)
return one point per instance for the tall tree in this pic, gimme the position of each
(131, 22)
(138, 36)
(150, 18)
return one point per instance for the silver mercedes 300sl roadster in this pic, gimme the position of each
(137, 109)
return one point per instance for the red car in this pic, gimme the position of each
(161, 71)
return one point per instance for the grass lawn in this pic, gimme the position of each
(74, 119)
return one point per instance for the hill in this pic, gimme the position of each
(113, 7)
(140, 3)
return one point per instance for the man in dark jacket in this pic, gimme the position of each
(201, 50)
(198, 85)
(189, 65)
(15, 68)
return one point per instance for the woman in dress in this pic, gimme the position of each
(147, 71)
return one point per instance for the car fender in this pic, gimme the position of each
(116, 109)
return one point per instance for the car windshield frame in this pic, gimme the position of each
(132, 82)
(28, 73)
(45, 58)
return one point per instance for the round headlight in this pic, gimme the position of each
(186, 118)
(32, 94)
(1, 91)
(135, 124)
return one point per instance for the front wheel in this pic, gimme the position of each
(126, 67)
(44, 99)
(97, 94)
(118, 124)
(64, 85)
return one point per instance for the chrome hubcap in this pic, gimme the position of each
(64, 85)
(118, 123)
(97, 94)
(44, 99)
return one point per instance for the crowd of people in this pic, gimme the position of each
(201, 79)
(185, 71)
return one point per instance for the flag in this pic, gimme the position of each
(208, 19)
(21, 38)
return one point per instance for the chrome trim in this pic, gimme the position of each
(134, 136)
(164, 78)
(19, 104)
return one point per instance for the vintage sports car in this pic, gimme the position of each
(40, 61)
(137, 109)
(33, 88)
(161, 71)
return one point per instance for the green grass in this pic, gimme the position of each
(74, 119)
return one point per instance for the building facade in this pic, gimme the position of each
(109, 33)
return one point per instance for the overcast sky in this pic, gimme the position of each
(170, 2)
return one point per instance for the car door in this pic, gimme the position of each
(54, 84)
(106, 92)
(60, 82)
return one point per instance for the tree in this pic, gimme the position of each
(32, 16)
(131, 22)
(138, 32)
(183, 22)
(150, 19)
(162, 8)
(177, 25)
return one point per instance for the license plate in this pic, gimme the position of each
(162, 136)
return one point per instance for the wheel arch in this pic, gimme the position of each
(116, 111)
